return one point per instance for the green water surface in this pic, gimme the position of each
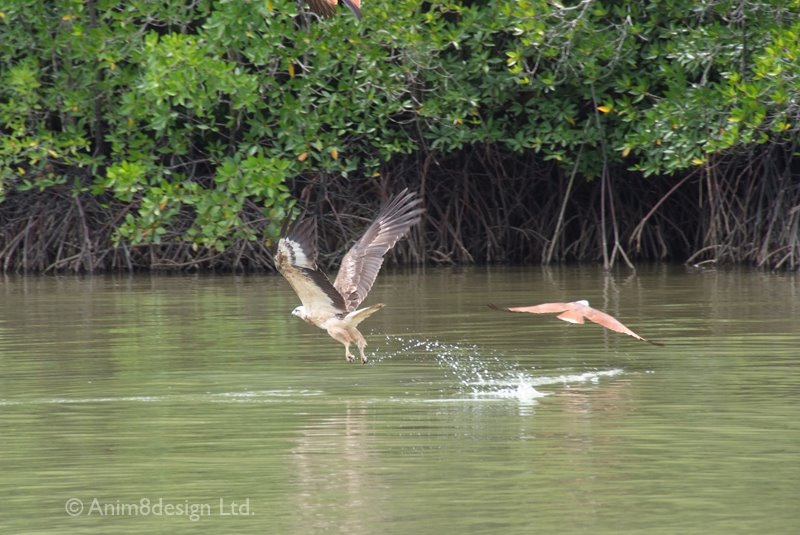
(178, 404)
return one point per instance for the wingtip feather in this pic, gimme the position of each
(353, 7)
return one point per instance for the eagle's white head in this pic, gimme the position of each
(300, 312)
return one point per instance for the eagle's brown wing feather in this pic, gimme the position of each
(361, 264)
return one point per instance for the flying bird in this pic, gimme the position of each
(326, 8)
(576, 312)
(334, 306)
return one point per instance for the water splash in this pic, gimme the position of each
(477, 374)
(482, 374)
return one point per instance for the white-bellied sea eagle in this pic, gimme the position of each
(334, 306)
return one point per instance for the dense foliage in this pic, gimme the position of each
(139, 132)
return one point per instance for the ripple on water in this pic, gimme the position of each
(248, 396)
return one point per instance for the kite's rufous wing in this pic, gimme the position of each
(545, 308)
(610, 322)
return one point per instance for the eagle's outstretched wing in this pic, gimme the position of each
(361, 264)
(296, 260)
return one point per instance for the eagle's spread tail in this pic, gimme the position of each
(357, 316)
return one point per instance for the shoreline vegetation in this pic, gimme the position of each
(175, 136)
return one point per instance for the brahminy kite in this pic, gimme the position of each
(576, 312)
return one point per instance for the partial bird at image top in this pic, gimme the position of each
(326, 8)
